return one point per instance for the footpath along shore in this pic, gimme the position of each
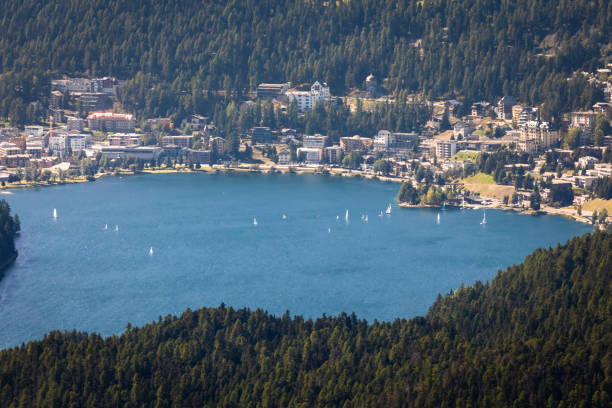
(286, 169)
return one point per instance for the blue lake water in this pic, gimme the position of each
(71, 273)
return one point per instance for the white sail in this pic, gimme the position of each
(255, 221)
(484, 218)
(381, 214)
(346, 215)
(54, 213)
(328, 230)
(388, 209)
(284, 217)
(116, 228)
(105, 227)
(438, 220)
(366, 218)
(337, 217)
(151, 251)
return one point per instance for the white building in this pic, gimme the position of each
(306, 100)
(34, 131)
(310, 155)
(146, 153)
(64, 143)
(445, 149)
(314, 142)
(383, 140)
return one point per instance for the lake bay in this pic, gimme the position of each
(72, 273)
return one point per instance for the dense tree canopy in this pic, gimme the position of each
(539, 334)
(9, 227)
(178, 53)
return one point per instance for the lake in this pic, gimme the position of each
(72, 273)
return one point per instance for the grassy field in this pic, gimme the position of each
(484, 185)
(463, 156)
(598, 204)
(479, 178)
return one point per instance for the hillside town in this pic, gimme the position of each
(490, 153)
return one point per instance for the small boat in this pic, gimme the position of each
(105, 227)
(366, 218)
(328, 230)
(346, 216)
(484, 218)
(255, 222)
(54, 213)
(388, 212)
(337, 217)
(151, 251)
(116, 228)
(381, 214)
(438, 220)
(284, 217)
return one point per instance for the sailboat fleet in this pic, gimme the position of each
(364, 218)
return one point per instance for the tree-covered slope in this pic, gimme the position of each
(173, 49)
(9, 227)
(539, 334)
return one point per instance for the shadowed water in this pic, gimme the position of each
(71, 273)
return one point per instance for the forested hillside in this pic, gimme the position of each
(9, 227)
(539, 334)
(175, 51)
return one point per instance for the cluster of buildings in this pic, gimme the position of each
(90, 94)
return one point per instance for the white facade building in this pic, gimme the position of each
(310, 155)
(64, 143)
(445, 149)
(314, 142)
(306, 100)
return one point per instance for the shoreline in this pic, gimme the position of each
(544, 210)
(298, 170)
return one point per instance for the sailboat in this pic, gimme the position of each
(444, 206)
(284, 217)
(151, 251)
(346, 216)
(381, 214)
(328, 230)
(116, 228)
(484, 218)
(54, 213)
(255, 221)
(105, 227)
(366, 218)
(388, 212)
(337, 217)
(438, 221)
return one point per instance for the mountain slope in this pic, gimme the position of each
(174, 50)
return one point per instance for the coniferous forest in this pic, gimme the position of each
(179, 56)
(9, 227)
(539, 334)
